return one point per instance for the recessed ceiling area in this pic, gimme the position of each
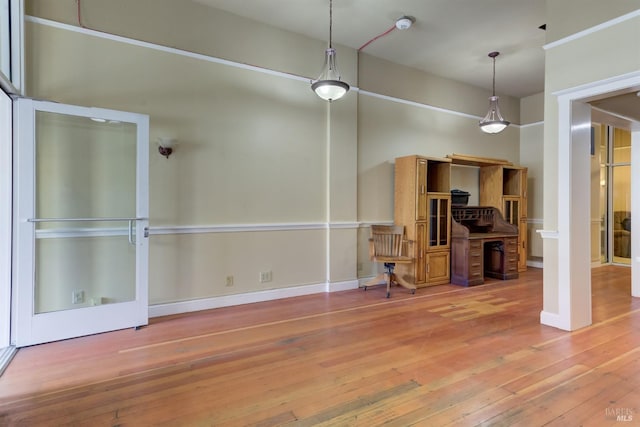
(624, 106)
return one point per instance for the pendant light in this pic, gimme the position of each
(329, 85)
(493, 122)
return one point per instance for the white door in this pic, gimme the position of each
(80, 221)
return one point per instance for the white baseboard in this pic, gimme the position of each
(552, 319)
(535, 264)
(342, 286)
(167, 309)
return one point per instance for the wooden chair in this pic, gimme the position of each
(387, 245)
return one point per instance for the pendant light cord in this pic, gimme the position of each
(330, 21)
(494, 76)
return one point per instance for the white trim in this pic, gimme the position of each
(240, 228)
(368, 224)
(552, 319)
(167, 309)
(134, 42)
(548, 234)
(425, 106)
(343, 225)
(342, 286)
(419, 105)
(17, 45)
(11, 44)
(5, 38)
(535, 221)
(5, 217)
(233, 228)
(80, 232)
(192, 229)
(535, 264)
(605, 86)
(592, 30)
(528, 125)
(635, 207)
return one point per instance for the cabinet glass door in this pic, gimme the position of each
(512, 210)
(439, 214)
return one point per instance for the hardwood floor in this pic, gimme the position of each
(445, 356)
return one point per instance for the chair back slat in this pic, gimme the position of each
(388, 240)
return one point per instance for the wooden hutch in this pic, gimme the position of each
(503, 185)
(482, 244)
(423, 207)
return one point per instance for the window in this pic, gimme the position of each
(11, 37)
(615, 195)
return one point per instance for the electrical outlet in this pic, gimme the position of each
(77, 296)
(229, 280)
(265, 276)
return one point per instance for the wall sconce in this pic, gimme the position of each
(165, 146)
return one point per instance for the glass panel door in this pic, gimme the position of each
(615, 195)
(621, 195)
(83, 208)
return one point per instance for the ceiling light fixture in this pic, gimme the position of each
(493, 122)
(329, 85)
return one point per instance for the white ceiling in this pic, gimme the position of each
(450, 38)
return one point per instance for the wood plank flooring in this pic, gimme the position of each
(447, 355)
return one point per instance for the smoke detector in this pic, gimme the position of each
(405, 22)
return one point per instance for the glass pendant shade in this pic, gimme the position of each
(493, 122)
(329, 85)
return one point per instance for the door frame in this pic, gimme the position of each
(28, 328)
(574, 138)
(5, 217)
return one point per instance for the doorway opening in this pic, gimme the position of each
(574, 197)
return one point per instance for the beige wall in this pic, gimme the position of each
(532, 109)
(532, 156)
(257, 148)
(568, 65)
(567, 17)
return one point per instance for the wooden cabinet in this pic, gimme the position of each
(467, 266)
(423, 206)
(502, 259)
(505, 187)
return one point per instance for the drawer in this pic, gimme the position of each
(475, 250)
